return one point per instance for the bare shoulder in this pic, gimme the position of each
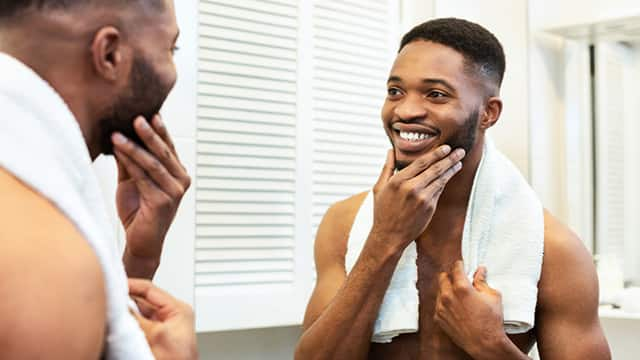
(568, 272)
(333, 233)
(50, 270)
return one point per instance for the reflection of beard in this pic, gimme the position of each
(144, 97)
(464, 138)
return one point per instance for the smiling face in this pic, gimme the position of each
(432, 99)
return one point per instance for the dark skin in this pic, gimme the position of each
(94, 71)
(86, 53)
(431, 90)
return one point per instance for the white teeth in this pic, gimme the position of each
(413, 136)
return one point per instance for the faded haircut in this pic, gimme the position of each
(481, 50)
(13, 10)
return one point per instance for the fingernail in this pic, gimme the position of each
(159, 121)
(143, 123)
(460, 153)
(457, 166)
(445, 149)
(119, 139)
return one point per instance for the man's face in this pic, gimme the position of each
(431, 101)
(152, 76)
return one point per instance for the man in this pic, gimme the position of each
(75, 75)
(443, 94)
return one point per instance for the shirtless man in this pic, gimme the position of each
(75, 75)
(445, 82)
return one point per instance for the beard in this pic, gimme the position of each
(144, 97)
(464, 138)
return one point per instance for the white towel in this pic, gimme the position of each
(503, 230)
(42, 145)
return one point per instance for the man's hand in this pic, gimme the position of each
(168, 324)
(405, 202)
(151, 184)
(471, 314)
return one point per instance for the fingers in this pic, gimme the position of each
(148, 164)
(146, 309)
(387, 169)
(458, 276)
(165, 304)
(445, 284)
(443, 169)
(145, 324)
(480, 279)
(123, 174)
(423, 162)
(434, 189)
(158, 146)
(161, 130)
(126, 164)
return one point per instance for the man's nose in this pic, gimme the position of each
(411, 107)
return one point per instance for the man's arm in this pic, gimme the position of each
(51, 284)
(151, 184)
(339, 319)
(341, 313)
(567, 323)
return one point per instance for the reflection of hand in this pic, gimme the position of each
(405, 202)
(167, 323)
(151, 184)
(471, 314)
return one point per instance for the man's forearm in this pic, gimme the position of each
(139, 267)
(343, 330)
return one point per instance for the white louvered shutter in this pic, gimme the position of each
(245, 246)
(289, 96)
(354, 43)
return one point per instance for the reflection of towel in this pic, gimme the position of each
(504, 230)
(42, 145)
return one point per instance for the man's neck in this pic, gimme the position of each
(456, 193)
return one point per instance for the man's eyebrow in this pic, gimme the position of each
(440, 82)
(394, 78)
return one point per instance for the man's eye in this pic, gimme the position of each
(393, 92)
(436, 94)
(174, 49)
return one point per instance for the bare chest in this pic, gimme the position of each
(431, 342)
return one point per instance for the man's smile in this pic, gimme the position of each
(412, 138)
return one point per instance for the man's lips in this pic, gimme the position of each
(412, 138)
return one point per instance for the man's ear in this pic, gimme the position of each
(107, 52)
(491, 114)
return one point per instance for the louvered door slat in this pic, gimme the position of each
(246, 175)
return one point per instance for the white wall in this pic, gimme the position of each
(549, 128)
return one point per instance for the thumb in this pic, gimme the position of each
(387, 169)
(480, 279)
(145, 324)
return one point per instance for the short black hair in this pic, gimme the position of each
(481, 50)
(12, 9)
